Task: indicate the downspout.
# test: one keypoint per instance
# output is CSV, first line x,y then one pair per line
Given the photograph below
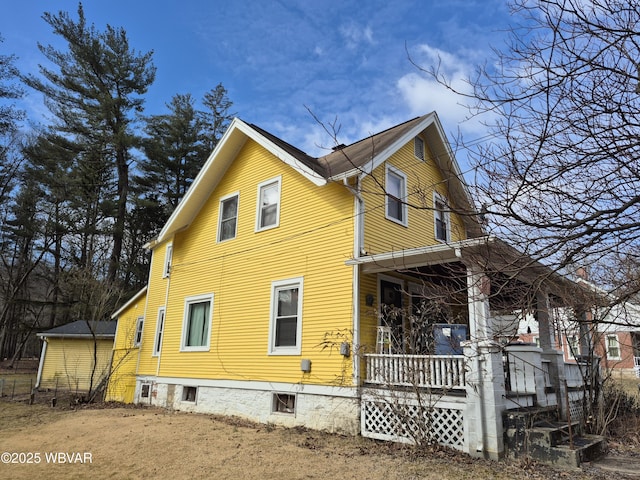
x,y
164,322
41,363
357,250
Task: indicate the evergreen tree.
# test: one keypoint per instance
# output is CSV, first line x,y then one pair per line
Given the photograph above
x,y
94,95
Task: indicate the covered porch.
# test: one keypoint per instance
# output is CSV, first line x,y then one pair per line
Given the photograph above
x,y
458,370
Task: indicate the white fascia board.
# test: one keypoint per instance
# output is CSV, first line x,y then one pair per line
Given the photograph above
x,y
281,154
129,302
188,207
393,148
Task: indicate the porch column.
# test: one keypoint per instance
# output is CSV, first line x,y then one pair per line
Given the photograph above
x,y
549,353
485,379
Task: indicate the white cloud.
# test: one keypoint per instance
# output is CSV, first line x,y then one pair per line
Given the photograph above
x,y
355,35
422,93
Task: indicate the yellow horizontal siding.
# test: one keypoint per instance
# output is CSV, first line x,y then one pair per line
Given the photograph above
x,y
122,380
423,179
313,240
68,363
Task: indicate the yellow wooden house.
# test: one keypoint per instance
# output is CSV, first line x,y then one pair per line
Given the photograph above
x,y
286,289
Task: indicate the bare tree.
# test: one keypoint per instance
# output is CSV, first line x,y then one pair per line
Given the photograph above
x,y
560,179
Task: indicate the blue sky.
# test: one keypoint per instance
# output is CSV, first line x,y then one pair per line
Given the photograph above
x,y
341,59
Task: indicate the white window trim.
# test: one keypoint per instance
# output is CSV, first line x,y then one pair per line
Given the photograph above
x,y
159,332
222,200
447,217
611,357
405,220
137,336
277,180
188,301
570,352
168,256
415,141
275,286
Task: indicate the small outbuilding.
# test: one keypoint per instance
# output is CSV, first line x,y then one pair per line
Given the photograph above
x,y
76,356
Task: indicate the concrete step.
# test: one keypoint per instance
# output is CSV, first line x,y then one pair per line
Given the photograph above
x,y
552,433
585,448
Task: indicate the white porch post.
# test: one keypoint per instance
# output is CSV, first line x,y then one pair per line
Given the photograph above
x,y
555,357
485,380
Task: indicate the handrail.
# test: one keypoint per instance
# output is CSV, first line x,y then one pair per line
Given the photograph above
x,y
425,371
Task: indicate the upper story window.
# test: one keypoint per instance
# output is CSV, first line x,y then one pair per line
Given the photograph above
x,y
573,345
196,327
286,317
396,194
168,256
268,204
613,347
228,217
441,218
137,337
418,148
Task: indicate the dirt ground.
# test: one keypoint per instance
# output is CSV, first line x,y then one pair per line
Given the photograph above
x,y
136,442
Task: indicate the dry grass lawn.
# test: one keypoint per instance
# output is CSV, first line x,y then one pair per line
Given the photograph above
x,y
136,442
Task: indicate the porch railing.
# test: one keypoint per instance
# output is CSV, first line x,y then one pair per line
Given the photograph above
x,y
445,372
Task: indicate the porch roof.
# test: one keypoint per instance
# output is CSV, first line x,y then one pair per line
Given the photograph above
x,y
418,257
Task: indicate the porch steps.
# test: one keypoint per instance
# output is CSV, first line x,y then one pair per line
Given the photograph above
x,y
535,432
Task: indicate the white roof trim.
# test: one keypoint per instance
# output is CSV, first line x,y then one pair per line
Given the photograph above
x,y
222,156
129,303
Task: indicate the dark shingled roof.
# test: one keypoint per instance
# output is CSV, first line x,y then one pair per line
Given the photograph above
x,y
344,158
82,328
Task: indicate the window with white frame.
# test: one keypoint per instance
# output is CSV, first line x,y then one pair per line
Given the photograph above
x,y
157,345
613,347
286,317
418,148
441,218
268,215
573,346
137,337
197,323
168,254
228,217
396,194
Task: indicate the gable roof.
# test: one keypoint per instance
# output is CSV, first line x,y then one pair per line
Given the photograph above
x,y
358,159
82,329
132,300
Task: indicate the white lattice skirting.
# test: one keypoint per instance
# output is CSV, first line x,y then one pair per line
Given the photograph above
x,y
404,419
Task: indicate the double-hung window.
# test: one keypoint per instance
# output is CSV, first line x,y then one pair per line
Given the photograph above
x,y
268,204
441,217
228,217
613,347
197,323
157,346
168,256
418,148
286,317
137,338
396,194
